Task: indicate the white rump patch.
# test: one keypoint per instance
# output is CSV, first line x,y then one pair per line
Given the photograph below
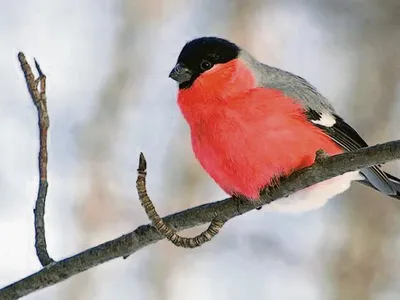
x,y
315,196
326,120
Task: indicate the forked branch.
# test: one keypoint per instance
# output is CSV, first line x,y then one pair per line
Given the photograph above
x,y
38,96
323,169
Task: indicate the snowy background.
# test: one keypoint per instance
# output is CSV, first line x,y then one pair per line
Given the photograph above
x,y
109,97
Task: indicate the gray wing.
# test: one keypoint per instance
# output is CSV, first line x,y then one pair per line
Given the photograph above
x,y
346,137
318,107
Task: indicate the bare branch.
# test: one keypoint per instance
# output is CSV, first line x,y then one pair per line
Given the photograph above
x,y
39,99
227,208
54,272
164,229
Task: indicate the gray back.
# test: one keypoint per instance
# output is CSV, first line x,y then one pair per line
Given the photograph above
x,y
292,85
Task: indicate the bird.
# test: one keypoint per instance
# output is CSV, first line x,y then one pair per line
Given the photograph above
x,y
252,124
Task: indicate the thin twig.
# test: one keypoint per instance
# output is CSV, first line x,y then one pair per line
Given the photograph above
x,y
146,234
39,99
164,229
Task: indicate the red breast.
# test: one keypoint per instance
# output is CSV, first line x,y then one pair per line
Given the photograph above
x,y
245,136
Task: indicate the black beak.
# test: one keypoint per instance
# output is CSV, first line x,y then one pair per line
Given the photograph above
x,y
180,73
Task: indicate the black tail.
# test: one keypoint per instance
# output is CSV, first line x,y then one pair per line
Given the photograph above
x,y
393,181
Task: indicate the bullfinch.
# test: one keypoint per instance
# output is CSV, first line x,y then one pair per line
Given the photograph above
x,y
252,124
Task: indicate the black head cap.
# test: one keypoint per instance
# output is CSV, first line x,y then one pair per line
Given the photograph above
x,y
200,55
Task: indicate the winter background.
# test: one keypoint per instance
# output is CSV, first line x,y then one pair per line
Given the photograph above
x,y
109,97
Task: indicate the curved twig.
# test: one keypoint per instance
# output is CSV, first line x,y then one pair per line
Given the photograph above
x,y
164,229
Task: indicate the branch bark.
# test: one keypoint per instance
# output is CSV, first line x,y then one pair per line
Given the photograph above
x,y
146,234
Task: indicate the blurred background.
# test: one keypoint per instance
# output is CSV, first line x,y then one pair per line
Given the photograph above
x,y
109,98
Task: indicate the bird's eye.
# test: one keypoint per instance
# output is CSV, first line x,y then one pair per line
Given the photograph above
x,y
205,65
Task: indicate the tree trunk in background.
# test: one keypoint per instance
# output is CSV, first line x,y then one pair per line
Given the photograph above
x,y
362,266
99,204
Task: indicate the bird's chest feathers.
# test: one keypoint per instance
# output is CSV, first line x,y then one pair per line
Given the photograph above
x,y
247,141
242,158
241,143
218,139
253,122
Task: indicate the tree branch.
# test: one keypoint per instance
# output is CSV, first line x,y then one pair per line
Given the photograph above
x,y
145,235
54,272
39,100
